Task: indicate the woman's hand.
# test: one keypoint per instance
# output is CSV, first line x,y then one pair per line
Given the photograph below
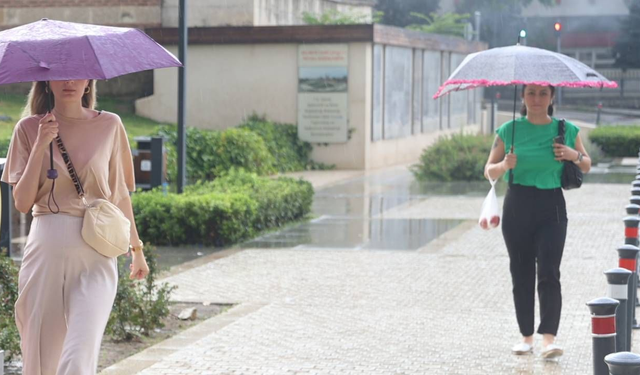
x,y
139,267
510,161
564,152
47,130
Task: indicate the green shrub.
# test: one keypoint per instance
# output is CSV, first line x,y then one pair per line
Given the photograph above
x,y
459,157
211,153
290,153
4,147
617,141
9,337
230,209
140,305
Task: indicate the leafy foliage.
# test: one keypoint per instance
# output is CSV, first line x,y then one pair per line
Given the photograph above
x,y
335,17
448,24
290,153
398,13
459,157
140,306
211,153
9,337
232,208
617,141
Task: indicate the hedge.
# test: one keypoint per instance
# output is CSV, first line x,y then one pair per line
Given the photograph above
x,y
617,141
458,157
290,153
212,153
232,208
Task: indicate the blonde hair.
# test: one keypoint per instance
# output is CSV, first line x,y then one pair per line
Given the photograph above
x,y
37,99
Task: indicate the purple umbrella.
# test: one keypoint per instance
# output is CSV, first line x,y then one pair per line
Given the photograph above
x,y
49,50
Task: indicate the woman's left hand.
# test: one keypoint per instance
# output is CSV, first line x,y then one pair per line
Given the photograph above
x,y
564,152
139,267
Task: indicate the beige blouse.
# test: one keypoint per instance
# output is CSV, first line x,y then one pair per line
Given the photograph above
x,y
99,150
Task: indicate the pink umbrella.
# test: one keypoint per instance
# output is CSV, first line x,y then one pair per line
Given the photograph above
x,y
49,50
521,65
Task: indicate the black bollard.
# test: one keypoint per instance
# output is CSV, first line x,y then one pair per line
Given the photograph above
x,y
618,289
628,255
632,209
634,199
603,331
635,183
635,191
623,363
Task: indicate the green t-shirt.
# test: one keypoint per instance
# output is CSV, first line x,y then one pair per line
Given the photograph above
x,y
536,164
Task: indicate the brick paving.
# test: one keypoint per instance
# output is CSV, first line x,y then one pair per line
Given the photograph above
x,y
442,311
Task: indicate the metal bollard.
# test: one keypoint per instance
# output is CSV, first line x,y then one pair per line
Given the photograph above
x,y
635,191
628,255
632,209
603,331
618,289
635,183
623,363
631,230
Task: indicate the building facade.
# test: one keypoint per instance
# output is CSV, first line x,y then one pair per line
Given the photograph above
x,y
164,13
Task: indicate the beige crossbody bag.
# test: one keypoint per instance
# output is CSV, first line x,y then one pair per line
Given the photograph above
x,y
105,228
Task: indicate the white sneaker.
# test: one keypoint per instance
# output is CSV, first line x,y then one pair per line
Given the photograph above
x,y
552,351
522,349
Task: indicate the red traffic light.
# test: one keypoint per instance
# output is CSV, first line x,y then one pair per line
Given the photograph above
x,y
557,26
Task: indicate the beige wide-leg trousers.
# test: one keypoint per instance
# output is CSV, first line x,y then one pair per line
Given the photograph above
x,y
66,291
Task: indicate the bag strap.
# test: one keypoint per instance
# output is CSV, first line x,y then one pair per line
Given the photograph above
x,y
561,127
71,169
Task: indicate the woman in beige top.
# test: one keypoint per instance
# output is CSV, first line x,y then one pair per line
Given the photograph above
x,y
66,288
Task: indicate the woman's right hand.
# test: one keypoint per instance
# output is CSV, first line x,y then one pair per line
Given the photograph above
x,y
47,130
510,160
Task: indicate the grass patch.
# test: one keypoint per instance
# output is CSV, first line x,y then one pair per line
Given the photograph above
x,y
12,106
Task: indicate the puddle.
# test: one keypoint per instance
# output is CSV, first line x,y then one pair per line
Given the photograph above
x,y
345,233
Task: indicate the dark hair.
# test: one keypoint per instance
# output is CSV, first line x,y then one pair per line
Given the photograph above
x,y
523,110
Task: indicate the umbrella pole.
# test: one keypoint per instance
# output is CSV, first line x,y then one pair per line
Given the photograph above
x,y
513,129
52,174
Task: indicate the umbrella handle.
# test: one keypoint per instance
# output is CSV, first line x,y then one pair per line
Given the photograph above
x,y
511,170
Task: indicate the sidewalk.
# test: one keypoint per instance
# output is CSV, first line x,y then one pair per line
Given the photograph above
x,y
443,308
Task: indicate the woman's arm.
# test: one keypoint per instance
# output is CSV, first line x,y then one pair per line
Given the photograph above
x,y
139,267
563,152
26,189
498,163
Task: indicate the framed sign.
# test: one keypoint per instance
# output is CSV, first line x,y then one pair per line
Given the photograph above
x,y
323,83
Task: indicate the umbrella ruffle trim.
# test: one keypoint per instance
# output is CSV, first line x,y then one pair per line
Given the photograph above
x,y
473,83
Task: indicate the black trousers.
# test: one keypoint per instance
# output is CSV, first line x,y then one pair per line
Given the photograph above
x,y
534,226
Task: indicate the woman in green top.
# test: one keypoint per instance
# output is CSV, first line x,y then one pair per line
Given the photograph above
x,y
534,218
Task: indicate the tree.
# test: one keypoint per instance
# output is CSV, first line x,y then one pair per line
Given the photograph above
x,y
627,48
398,12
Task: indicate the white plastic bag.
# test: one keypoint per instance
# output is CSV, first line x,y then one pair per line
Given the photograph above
x,y
490,214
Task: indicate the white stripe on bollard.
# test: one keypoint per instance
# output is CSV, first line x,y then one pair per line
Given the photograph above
x,y
617,291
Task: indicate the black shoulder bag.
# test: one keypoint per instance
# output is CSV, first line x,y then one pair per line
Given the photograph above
x,y
571,174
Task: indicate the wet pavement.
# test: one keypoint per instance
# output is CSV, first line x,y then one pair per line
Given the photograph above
x,y
390,277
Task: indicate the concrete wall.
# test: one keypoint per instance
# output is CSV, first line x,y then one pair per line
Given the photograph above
x,y
203,13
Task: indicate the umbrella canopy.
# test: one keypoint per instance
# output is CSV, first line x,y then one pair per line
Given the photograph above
x,y
48,50
521,65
